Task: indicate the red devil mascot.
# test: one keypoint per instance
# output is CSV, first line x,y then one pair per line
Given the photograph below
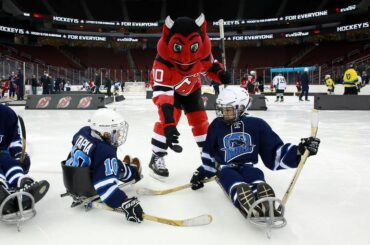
x,y
184,55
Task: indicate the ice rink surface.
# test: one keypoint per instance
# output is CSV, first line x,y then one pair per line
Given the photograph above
x,y
329,204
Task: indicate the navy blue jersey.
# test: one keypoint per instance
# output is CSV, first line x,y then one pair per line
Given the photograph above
x,y
242,142
10,138
105,167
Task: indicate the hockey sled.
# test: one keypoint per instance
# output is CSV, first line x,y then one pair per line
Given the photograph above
x,y
274,220
21,215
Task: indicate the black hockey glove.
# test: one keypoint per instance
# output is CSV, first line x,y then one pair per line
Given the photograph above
x,y
133,210
197,180
172,138
225,77
26,162
311,144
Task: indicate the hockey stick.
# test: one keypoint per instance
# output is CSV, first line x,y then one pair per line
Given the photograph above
x,y
23,132
222,37
196,221
314,128
147,191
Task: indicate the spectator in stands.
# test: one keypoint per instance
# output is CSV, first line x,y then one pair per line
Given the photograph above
x,y
261,85
4,86
34,84
98,80
63,84
365,78
51,85
85,86
350,81
58,81
305,87
12,85
67,86
45,81
251,83
243,82
108,85
329,84
20,85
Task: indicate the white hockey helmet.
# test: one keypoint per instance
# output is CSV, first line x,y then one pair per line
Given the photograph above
x,y
253,73
231,103
109,126
327,76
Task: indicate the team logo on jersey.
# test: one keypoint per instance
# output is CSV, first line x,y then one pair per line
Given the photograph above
x,y
64,102
185,86
237,144
84,102
43,102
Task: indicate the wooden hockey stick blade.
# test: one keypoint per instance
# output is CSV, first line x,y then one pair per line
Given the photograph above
x,y
204,219
23,131
147,191
196,221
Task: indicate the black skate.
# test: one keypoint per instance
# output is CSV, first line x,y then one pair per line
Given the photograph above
x,y
264,190
158,166
246,199
37,189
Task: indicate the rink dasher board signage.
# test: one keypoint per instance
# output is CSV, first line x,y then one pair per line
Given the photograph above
x,y
67,102
21,31
296,17
68,20
353,27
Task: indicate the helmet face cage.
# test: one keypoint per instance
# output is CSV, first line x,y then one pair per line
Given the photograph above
x,y
119,135
232,103
229,113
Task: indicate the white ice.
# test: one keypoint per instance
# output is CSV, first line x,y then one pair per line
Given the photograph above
x,y
329,204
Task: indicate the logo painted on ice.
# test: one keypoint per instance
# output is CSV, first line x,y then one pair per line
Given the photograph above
x,y
237,144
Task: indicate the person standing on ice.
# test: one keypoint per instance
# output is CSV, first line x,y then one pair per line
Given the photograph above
x,y
184,55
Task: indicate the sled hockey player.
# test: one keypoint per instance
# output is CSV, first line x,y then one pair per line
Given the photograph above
x,y
92,168
279,84
234,142
14,183
183,56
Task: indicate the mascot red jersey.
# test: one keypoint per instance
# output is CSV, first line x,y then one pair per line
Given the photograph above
x,y
184,55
